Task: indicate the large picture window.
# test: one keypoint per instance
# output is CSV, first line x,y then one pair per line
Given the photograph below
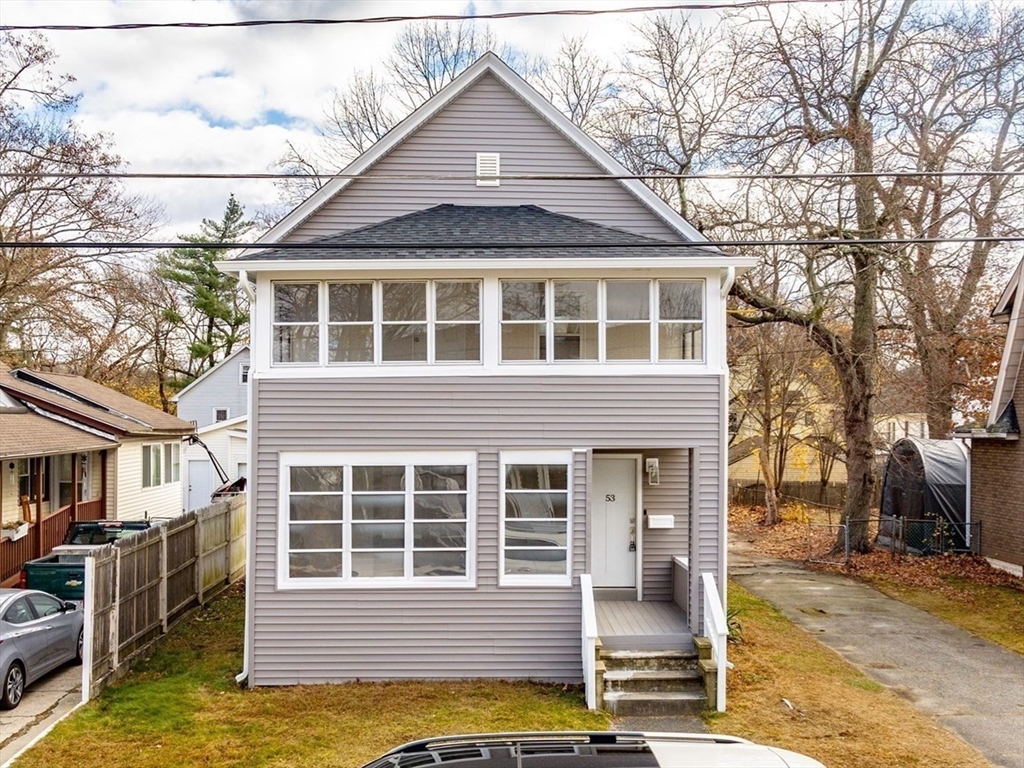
x,y
366,322
536,527
560,321
377,519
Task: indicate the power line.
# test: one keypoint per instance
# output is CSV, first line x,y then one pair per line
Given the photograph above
x,y
511,246
702,6
517,176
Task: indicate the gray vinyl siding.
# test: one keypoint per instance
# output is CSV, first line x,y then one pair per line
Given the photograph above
x,y
487,117
660,545
220,388
312,636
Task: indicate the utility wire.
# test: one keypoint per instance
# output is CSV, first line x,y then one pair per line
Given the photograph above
x,y
701,6
314,245
514,176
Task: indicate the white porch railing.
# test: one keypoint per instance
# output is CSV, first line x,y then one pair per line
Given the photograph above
x,y
589,640
717,631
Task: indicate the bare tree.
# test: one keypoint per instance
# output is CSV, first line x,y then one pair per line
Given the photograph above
x,y
578,82
39,294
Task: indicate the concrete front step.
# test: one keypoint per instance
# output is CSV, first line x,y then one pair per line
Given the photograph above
x,y
654,704
649,660
654,680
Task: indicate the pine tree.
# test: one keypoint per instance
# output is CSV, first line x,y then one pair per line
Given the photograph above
x,y
218,314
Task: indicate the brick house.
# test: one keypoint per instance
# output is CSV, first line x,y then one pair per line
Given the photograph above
x,y
996,485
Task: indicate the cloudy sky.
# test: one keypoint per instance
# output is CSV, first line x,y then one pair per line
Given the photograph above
x,y
228,100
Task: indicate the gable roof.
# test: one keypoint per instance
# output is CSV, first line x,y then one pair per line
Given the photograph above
x,y
1009,310
94,406
482,231
217,367
492,64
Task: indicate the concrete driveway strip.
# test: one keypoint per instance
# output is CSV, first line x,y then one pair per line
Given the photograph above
x,y
45,703
969,685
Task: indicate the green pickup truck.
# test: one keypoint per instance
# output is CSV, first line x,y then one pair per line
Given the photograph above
x,y
62,572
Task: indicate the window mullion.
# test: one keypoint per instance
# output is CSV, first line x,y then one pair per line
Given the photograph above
x,y
409,537
431,319
549,314
346,523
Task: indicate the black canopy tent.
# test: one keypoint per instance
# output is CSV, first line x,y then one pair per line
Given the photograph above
x,y
926,480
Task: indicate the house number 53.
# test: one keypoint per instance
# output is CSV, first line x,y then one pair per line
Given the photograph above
x,y
609,497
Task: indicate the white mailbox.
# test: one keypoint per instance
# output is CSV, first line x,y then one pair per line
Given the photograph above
x,y
661,521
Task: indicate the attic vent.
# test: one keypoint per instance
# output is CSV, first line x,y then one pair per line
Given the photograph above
x,y
488,164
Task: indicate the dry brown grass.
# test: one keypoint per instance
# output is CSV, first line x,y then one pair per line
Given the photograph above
x,y
837,714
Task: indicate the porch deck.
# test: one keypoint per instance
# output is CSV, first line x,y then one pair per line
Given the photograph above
x,y
626,625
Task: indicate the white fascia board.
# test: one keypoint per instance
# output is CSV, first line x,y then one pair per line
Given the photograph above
x,y
741,263
1012,287
226,424
489,62
223,362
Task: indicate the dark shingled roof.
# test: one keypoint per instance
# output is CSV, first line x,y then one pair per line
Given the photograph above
x,y
483,232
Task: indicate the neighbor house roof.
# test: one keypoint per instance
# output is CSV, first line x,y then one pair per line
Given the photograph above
x,y
25,433
484,232
1009,310
92,405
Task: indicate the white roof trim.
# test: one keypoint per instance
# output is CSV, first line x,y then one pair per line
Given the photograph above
x,y
223,362
488,63
1006,381
1002,306
742,264
226,424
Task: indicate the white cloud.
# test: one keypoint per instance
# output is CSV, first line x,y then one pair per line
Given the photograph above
x,y
213,100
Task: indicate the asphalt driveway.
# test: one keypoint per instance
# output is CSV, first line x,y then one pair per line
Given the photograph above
x,y
968,685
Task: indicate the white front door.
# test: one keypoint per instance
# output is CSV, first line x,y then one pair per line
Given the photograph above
x,y
613,522
200,483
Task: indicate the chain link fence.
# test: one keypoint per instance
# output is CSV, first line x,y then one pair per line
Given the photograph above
x,y
936,536
829,544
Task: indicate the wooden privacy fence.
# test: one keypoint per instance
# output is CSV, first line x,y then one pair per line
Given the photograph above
x,y
138,587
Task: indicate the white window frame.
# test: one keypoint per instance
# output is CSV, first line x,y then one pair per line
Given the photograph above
x,y
243,373
154,466
347,460
653,322
227,413
172,463
564,457
324,323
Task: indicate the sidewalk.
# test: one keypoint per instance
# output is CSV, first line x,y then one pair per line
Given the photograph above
x,y
968,685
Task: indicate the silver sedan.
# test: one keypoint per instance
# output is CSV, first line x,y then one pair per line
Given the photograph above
x,y
38,633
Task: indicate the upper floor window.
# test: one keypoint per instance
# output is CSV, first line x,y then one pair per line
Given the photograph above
x,y
243,373
377,322
601,320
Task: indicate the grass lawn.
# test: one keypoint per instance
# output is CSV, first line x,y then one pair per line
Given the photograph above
x,y
182,708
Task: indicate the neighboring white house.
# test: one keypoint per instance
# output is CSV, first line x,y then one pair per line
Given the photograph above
x,y
218,404
138,474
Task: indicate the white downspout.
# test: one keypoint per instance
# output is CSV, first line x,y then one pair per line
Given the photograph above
x,y
250,513
728,278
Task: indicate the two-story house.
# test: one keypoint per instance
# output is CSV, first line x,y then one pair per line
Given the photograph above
x,y
217,403
474,393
